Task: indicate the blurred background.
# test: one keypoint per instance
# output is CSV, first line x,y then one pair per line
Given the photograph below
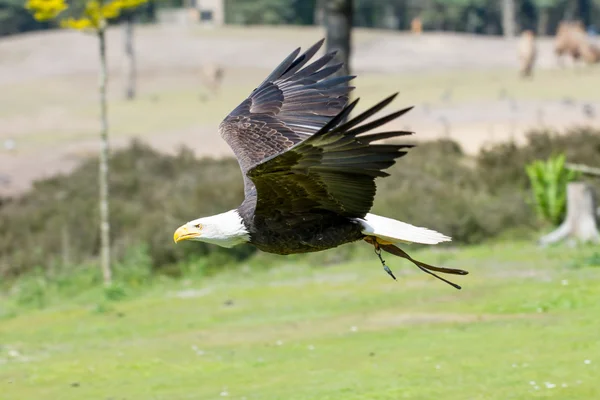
x,y
507,122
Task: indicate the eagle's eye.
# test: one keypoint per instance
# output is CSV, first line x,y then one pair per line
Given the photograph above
x,y
199,226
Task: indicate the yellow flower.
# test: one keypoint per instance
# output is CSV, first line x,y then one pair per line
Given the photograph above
x,y
111,10
79,24
94,15
44,10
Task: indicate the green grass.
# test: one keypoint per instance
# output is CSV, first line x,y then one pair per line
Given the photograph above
x,y
341,332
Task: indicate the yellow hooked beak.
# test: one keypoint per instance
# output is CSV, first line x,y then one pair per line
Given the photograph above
x,y
186,232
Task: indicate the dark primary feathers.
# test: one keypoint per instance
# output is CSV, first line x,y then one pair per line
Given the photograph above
x,y
293,102
334,170
294,149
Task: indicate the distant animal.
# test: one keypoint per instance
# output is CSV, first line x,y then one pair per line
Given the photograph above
x,y
212,76
572,40
527,53
416,25
309,173
565,41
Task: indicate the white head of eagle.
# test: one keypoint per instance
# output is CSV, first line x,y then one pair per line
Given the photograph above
x,y
226,230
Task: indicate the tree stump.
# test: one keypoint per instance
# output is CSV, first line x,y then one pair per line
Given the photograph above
x,y
580,223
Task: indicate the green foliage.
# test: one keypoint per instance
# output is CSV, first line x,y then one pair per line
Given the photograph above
x,y
547,3
270,12
31,291
15,19
135,268
593,260
549,186
115,292
586,260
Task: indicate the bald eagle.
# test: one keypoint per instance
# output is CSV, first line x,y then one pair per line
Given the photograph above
x,y
309,173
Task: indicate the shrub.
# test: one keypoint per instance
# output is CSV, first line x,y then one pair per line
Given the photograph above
x,y
502,164
151,195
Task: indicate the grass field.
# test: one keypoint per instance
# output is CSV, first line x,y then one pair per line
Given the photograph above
x,y
524,326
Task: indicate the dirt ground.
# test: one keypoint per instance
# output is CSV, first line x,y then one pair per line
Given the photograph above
x,y
464,87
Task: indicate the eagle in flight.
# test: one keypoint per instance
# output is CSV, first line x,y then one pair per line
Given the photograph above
x,y
309,173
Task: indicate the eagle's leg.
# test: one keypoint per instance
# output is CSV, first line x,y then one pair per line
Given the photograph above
x,y
391,248
385,267
378,252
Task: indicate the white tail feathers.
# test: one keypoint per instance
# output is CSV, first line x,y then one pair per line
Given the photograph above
x,y
395,231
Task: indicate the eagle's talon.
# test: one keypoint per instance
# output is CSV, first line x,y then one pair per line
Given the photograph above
x,y
385,267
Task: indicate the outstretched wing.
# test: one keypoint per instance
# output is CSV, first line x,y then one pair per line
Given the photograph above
x,y
291,104
333,170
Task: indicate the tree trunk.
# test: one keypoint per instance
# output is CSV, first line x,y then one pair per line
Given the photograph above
x,y
570,9
390,17
338,19
319,17
65,246
508,18
543,21
129,57
580,222
103,166
439,20
151,11
401,15
584,8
